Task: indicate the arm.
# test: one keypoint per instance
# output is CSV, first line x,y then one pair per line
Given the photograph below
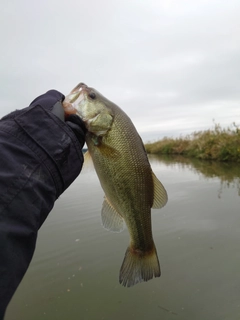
x,y
40,156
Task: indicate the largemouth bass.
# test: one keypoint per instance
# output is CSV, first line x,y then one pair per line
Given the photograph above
x,y
131,188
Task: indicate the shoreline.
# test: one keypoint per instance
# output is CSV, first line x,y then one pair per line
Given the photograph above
x,y
219,144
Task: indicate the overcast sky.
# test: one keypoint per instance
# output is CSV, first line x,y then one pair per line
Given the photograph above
x,y
172,66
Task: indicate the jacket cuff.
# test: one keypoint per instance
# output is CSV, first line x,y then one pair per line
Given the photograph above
x,y
56,140
48,99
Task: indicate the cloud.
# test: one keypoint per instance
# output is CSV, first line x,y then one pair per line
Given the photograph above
x,y
172,66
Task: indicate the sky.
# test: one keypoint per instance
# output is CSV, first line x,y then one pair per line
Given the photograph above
x,y
172,65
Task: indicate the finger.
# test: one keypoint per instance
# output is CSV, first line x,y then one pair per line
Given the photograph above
x,y
73,118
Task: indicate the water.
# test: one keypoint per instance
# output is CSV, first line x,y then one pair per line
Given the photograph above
x,y
74,272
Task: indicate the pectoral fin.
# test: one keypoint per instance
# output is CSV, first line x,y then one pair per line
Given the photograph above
x,y
106,150
111,219
88,163
87,156
160,197
109,152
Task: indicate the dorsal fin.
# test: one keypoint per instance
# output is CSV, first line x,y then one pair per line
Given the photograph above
x,y
160,197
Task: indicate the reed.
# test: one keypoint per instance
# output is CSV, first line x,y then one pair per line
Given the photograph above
x,y
221,144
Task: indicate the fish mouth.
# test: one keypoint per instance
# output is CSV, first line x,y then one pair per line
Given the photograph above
x,y
76,102
77,96
79,87
77,93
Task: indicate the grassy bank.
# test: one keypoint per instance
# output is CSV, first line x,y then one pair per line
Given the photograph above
x,y
222,144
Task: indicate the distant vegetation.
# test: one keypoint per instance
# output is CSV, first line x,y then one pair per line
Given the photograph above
x,y
214,144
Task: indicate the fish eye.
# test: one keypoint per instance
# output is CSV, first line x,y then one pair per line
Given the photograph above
x,y
92,95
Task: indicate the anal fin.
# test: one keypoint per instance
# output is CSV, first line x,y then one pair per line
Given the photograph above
x,y
111,219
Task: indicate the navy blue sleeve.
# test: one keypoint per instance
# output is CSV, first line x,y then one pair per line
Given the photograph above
x,y
39,158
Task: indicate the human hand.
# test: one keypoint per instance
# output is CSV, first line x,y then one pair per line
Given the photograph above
x,y
73,121
78,127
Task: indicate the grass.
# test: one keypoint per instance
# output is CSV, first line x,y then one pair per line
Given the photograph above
x,y
221,144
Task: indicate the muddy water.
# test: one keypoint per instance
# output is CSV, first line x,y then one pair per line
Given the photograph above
x,y
74,272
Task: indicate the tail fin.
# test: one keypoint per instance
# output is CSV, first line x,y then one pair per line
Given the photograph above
x,y
139,266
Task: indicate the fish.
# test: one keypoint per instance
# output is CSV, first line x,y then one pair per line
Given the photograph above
x,y
130,186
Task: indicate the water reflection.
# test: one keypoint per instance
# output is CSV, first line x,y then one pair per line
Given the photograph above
x,y
227,172
74,272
